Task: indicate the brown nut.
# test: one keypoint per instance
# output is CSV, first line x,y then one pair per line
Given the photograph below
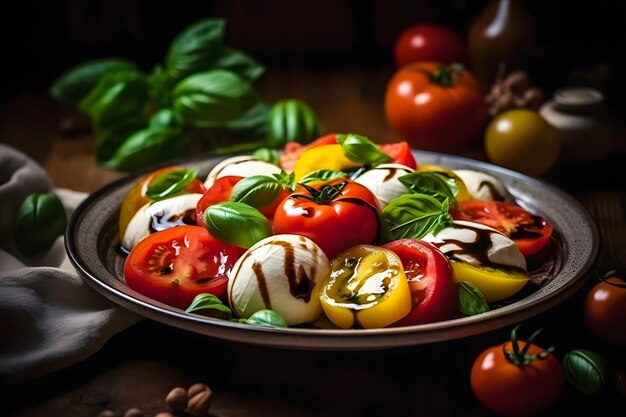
x,y
133,412
199,404
177,399
164,414
533,98
516,81
196,388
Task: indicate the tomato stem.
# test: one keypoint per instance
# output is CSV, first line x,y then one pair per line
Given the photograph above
x,y
521,357
445,75
324,195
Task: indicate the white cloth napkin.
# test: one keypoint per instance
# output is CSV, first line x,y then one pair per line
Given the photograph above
x,y
49,317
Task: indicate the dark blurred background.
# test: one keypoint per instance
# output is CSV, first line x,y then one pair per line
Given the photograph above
x,y
576,41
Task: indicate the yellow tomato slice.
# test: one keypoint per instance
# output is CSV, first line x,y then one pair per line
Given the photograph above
x,y
495,283
322,157
463,194
367,288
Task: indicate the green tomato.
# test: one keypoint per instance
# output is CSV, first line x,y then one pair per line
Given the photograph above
x,y
523,141
38,222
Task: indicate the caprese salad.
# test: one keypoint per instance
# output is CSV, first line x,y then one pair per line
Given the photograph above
x,y
339,233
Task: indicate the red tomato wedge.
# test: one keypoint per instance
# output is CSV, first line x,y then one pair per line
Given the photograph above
x,y
530,232
428,271
219,192
174,265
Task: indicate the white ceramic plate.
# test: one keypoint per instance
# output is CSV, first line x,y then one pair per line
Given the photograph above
x,y
92,245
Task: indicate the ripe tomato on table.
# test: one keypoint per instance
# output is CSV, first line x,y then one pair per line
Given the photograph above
x,y
530,232
518,378
605,309
428,42
174,265
429,274
336,215
435,107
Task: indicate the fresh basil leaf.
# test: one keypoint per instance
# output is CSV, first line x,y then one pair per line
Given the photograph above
x,y
110,138
414,216
360,149
287,180
39,221
268,318
149,146
292,120
170,184
586,371
268,155
74,84
211,98
195,48
252,124
470,300
430,183
236,223
240,63
257,191
116,96
206,301
166,118
321,175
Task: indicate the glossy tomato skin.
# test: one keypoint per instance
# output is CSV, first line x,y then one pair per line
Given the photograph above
x,y
605,310
433,117
350,219
400,153
174,265
428,42
219,192
516,390
432,286
531,233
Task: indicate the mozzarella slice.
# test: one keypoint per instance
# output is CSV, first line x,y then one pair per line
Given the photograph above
x,y
383,182
483,186
160,215
241,166
283,273
477,243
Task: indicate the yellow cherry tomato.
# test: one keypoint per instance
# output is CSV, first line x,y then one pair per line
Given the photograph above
x,y
496,284
322,157
523,141
367,288
463,194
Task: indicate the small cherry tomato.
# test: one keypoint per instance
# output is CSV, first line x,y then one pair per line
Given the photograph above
x,y
530,232
518,378
428,42
429,274
435,108
605,309
219,192
176,264
336,215
367,288
136,197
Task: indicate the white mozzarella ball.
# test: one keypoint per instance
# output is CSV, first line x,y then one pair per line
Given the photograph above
x,y
241,166
383,182
472,242
483,186
160,215
282,273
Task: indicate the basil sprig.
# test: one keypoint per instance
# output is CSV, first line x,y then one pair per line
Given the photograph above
x,y
267,318
236,223
586,371
322,175
431,183
414,216
260,191
170,184
206,301
470,300
360,149
39,221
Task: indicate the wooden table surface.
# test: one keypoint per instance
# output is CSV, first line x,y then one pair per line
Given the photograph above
x,y
137,367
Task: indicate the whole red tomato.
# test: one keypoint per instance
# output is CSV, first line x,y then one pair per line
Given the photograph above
x,y
435,108
605,309
517,379
336,215
428,271
176,264
428,42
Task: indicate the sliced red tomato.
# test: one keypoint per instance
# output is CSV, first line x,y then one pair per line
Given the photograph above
x,y
336,215
219,192
428,271
530,232
174,265
400,153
